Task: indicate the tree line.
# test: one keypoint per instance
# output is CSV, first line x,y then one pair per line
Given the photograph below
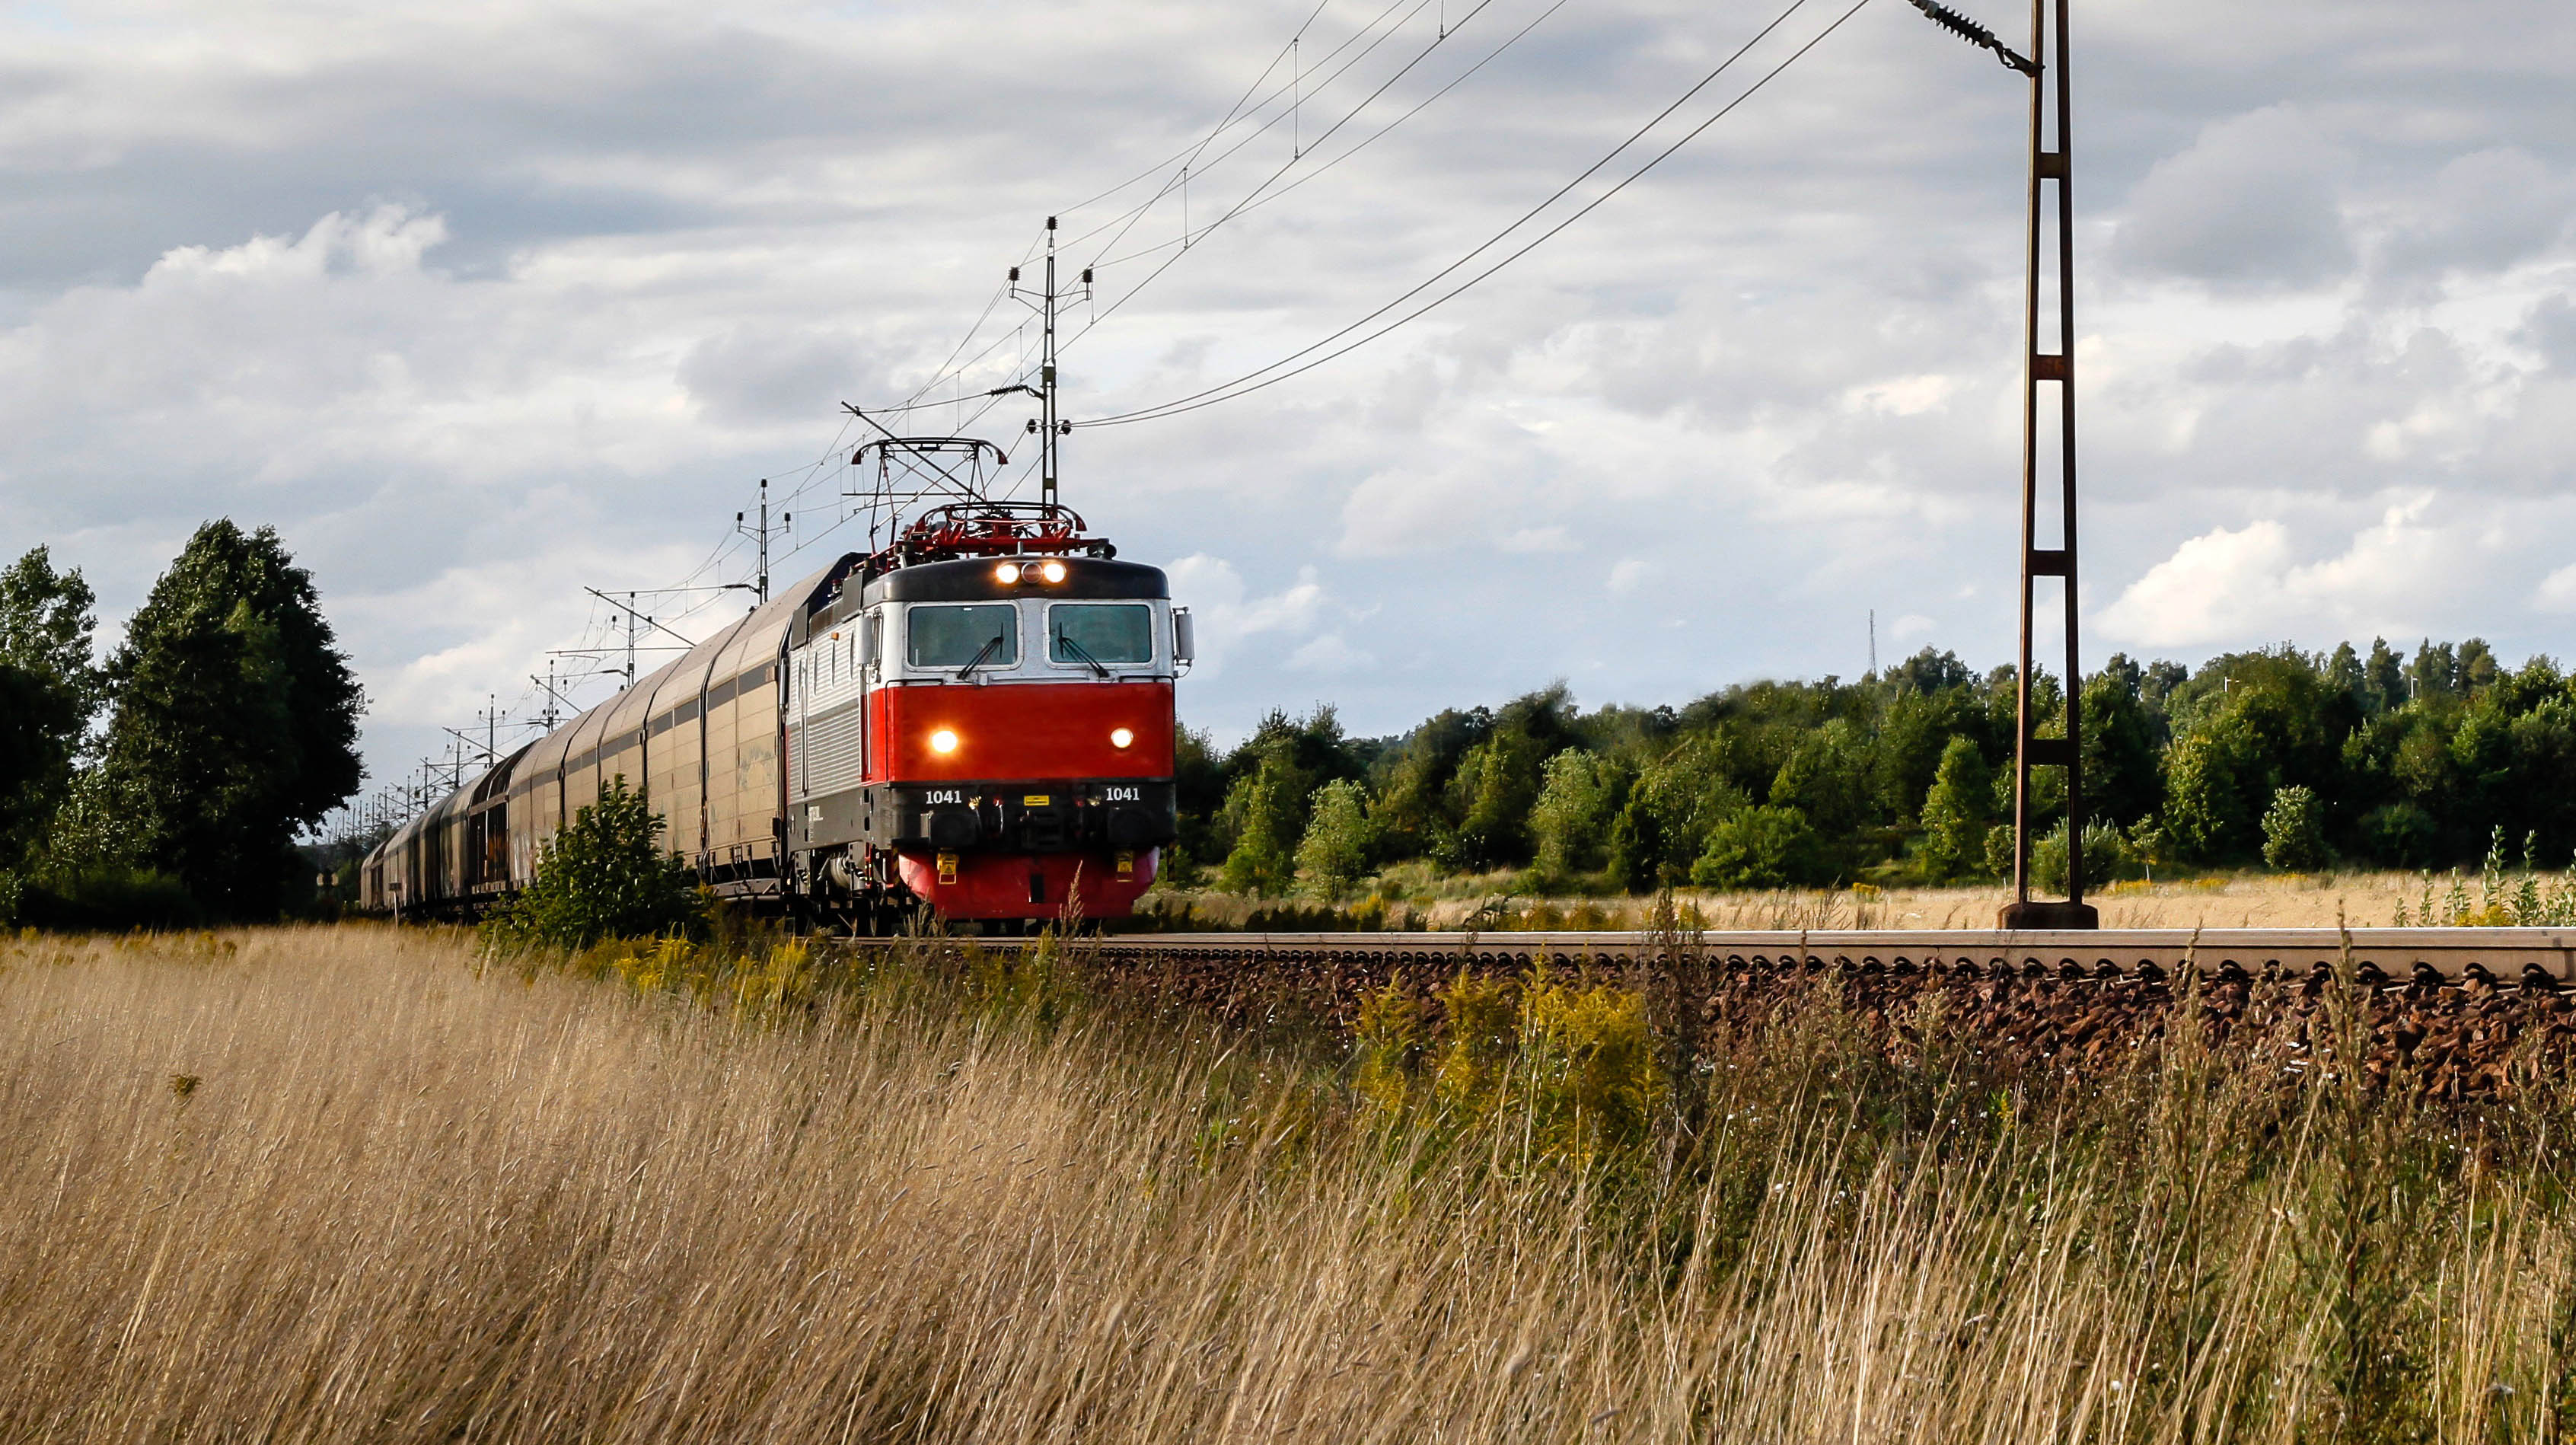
x,y
170,782
2280,758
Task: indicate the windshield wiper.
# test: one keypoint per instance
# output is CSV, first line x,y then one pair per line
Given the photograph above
x,y
977,660
1083,654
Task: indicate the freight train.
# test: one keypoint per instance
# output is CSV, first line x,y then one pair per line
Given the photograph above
x,y
974,722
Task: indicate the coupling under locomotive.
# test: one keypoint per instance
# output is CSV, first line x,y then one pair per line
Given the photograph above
x,y
977,718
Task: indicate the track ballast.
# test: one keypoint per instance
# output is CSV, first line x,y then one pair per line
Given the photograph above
x,y
2543,957
2456,1014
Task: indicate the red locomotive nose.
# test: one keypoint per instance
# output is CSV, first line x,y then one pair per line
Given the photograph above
x,y
1058,730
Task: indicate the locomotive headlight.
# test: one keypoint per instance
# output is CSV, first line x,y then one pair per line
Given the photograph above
x,y
944,741
1120,737
1051,569
1008,574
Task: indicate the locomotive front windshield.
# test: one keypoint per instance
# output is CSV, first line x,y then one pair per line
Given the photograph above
x,y
1083,634
974,635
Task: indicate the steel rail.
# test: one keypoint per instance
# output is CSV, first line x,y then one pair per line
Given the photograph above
x,y
2544,957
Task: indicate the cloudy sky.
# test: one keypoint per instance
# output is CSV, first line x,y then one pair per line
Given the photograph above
x,y
483,303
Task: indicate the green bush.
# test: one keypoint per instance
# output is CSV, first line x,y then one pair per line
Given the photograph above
x,y
2294,831
1957,812
2107,857
1573,815
1264,808
1339,838
604,877
105,896
2401,833
1763,848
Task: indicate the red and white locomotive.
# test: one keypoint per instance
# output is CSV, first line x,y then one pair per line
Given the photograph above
x,y
982,720
976,718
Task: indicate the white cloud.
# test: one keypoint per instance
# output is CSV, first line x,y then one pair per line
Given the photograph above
x,y
2245,585
1631,574
1228,615
2252,201
2557,591
1329,654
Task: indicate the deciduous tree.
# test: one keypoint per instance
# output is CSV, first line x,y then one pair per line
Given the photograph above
x,y
49,692
236,719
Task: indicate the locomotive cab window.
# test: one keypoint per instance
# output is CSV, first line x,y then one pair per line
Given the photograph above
x,y
1087,634
979,635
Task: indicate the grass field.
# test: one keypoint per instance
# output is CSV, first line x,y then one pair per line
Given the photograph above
x,y
327,1185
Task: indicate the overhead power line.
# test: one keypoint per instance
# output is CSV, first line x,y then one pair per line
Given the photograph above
x,y
1253,197
1286,367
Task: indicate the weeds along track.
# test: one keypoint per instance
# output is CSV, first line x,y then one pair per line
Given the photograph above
x,y
2444,1013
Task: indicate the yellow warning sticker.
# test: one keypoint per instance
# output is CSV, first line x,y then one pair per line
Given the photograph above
x,y
1036,800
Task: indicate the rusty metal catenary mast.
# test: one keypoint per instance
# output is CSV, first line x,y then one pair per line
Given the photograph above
x,y
2050,120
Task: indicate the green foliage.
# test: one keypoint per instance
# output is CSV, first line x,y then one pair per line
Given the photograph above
x,y
2122,748
2294,831
1826,779
2107,857
1496,786
1999,851
1389,1037
1572,817
1957,813
1637,846
2204,802
1263,813
236,719
1339,839
1480,1032
1573,1063
49,691
603,877
103,896
1198,787
1763,848
2399,833
2409,763
1686,792
1594,1078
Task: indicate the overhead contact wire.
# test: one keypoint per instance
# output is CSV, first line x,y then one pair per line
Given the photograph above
x,y
1137,213
1379,134
1258,379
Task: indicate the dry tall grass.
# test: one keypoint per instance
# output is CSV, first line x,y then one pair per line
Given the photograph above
x,y
326,1186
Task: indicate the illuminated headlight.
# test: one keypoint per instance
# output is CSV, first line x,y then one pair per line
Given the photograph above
x,y
1052,570
943,741
1120,737
1008,574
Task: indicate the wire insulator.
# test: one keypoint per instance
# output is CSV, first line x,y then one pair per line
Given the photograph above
x,y
1975,34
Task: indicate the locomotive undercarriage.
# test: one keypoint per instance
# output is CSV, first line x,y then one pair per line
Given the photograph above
x,y
851,848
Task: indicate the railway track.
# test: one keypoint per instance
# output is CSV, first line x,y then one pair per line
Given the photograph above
x,y
2456,1014
2536,956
